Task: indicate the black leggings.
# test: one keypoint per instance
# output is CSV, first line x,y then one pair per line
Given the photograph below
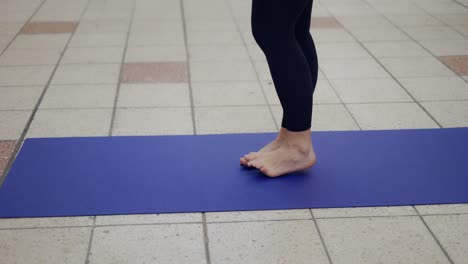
x,y
281,29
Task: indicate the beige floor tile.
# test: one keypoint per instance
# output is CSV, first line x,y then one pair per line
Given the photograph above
x,y
266,242
10,28
322,35
19,97
155,53
443,209
354,22
370,90
411,20
447,47
86,74
380,240
155,72
79,96
258,215
49,27
325,117
352,69
154,95
213,37
92,55
42,41
148,219
25,75
452,234
27,57
218,53
141,25
70,123
436,88
432,32
462,29
102,26
151,39
12,124
54,246
416,67
148,244
227,93
342,50
222,71
363,211
325,94
98,40
226,25
382,49
239,119
454,19
449,113
379,34
153,121
42,222
391,116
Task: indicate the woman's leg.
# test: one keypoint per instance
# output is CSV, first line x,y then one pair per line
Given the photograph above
x,y
304,38
281,29
274,29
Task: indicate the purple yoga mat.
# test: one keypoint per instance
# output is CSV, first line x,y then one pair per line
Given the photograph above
x,y
173,174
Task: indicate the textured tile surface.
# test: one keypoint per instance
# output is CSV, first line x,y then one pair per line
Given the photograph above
x,y
266,242
70,123
239,119
6,150
50,27
380,240
154,95
165,72
148,244
452,233
56,246
153,121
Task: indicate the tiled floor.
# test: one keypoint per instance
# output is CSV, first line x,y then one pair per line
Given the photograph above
x,y
124,67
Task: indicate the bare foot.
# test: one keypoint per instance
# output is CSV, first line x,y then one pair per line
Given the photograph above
x,y
276,143
294,154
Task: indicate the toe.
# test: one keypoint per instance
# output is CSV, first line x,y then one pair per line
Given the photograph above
x,y
243,161
251,156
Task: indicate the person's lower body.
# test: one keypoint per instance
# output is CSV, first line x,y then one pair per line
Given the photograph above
x,y
281,29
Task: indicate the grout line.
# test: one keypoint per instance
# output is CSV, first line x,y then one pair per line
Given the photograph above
x,y
90,243
187,67
387,71
320,236
18,33
41,97
384,15
122,62
224,222
462,4
433,236
341,100
252,62
206,239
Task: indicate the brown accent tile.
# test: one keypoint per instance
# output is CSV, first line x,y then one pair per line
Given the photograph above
x,y
458,64
325,22
52,27
6,150
154,72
